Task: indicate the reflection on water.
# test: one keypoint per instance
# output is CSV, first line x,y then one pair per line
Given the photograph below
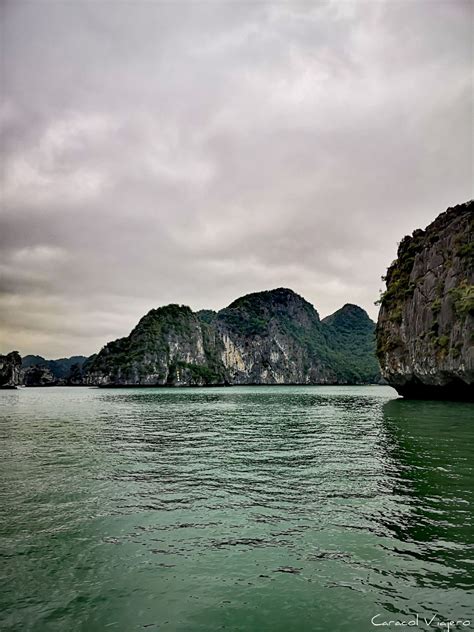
x,y
431,446
247,509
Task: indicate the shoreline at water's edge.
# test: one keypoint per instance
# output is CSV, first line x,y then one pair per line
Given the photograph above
x,y
432,395
186,386
256,384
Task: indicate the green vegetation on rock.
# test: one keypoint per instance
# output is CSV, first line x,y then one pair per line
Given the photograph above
x,y
463,298
266,337
351,337
425,325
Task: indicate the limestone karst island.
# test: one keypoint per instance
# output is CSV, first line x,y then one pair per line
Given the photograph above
x,y
425,330
422,345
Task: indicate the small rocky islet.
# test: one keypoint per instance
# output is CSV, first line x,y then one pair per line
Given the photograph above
x,y
422,345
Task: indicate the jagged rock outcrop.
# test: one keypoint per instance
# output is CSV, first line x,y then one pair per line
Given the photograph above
x,y
10,369
169,346
38,375
273,337
37,371
425,327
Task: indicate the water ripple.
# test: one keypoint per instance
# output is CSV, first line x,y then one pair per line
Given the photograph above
x,y
270,509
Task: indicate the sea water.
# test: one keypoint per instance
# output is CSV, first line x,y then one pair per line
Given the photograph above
x,y
247,509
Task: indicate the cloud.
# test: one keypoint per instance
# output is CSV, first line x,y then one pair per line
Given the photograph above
x,y
155,155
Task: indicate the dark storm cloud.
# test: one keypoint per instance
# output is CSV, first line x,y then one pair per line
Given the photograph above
x,y
192,152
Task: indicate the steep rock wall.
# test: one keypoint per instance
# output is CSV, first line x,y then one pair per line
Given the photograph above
x,y
10,369
425,327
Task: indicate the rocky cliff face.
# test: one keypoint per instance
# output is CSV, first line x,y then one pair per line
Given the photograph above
x,y
10,368
425,328
38,376
169,346
273,337
33,370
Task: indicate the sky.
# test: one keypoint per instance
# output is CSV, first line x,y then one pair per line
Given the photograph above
x,y
192,152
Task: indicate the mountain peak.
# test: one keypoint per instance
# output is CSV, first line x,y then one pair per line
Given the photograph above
x,y
350,308
278,295
346,314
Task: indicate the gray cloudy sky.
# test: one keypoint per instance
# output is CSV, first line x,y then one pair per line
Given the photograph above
x,y
191,152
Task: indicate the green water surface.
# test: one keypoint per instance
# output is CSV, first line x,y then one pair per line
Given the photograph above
x,y
259,509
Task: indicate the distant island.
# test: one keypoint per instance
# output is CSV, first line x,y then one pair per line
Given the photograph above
x,y
270,337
